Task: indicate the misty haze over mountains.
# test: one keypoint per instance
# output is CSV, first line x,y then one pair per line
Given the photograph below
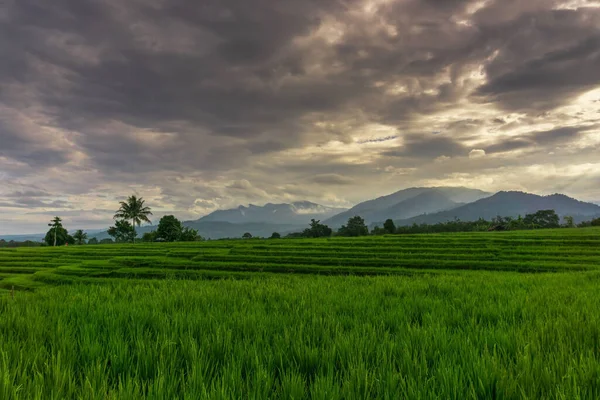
x,y
295,213
409,203
413,205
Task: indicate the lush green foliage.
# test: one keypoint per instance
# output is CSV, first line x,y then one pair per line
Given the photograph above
x,y
80,237
150,237
542,219
57,235
594,222
189,235
355,227
317,230
389,226
26,243
169,229
123,231
569,221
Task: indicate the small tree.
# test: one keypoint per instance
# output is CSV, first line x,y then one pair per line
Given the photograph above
x,y
80,237
275,235
169,228
356,227
377,231
189,235
542,219
57,235
389,226
569,222
106,241
149,237
93,241
517,224
247,235
123,231
317,230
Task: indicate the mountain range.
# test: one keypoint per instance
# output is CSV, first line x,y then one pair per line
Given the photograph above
x,y
405,207
511,204
409,203
300,212
414,205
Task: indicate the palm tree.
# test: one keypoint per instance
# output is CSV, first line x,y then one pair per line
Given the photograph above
x,y
56,223
133,209
80,236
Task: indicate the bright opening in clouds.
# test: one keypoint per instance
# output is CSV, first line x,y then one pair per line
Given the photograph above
x,y
199,105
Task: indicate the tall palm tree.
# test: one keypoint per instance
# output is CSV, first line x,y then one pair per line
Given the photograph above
x,y
133,209
55,224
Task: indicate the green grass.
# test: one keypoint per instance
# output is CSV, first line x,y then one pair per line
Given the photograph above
x,y
469,335
506,315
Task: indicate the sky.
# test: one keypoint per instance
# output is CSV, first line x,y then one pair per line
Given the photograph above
x,y
201,105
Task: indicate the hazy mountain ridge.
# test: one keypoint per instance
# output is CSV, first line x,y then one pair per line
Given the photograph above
x,y
300,213
409,203
426,202
511,204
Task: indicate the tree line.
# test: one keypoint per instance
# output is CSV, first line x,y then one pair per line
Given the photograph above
x,y
356,226
131,213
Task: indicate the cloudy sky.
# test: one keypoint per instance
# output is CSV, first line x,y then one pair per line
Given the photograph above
x,y
199,105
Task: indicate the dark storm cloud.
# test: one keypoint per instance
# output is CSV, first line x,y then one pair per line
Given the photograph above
x,y
116,93
550,79
429,147
536,140
15,142
228,67
508,145
332,179
557,135
543,58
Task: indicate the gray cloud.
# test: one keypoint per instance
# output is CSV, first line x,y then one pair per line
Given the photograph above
x,y
27,202
332,179
27,193
204,104
550,57
429,147
541,139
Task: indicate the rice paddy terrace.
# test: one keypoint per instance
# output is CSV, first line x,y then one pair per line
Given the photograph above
x,y
523,251
448,316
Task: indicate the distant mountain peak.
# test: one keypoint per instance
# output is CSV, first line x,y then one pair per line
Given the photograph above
x,y
408,203
299,212
512,204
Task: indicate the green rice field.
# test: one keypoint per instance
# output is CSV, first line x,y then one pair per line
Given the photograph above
x,y
498,315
